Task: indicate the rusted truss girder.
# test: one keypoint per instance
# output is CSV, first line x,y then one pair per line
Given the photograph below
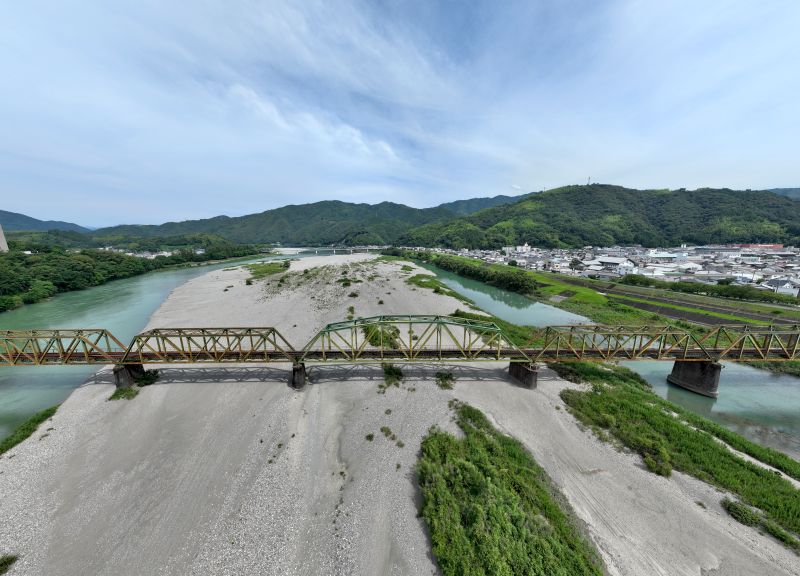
x,y
728,343
410,338
401,338
40,347
204,345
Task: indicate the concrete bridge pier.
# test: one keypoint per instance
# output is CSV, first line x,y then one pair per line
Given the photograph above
x,y
526,374
125,375
298,380
701,377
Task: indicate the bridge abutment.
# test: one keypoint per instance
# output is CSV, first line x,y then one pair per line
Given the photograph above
x,y
125,375
298,380
700,377
526,374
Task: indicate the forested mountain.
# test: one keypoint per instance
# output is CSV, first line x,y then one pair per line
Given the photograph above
x,y
596,214
14,221
465,207
328,222
793,193
604,215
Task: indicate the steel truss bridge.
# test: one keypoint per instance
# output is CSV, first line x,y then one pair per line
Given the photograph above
x,y
401,338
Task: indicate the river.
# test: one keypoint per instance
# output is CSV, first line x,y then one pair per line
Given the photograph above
x,y
121,306
761,406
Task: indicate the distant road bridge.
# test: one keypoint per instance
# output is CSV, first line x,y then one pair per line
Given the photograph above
x,y
405,338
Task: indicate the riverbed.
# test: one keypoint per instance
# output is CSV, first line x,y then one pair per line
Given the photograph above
x,y
760,405
121,306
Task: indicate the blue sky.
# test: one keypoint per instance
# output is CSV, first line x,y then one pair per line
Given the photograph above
x,y
149,110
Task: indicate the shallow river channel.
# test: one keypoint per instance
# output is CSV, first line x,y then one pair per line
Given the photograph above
x,y
762,406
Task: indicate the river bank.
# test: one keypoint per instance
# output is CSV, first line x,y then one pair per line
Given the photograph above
x,y
229,471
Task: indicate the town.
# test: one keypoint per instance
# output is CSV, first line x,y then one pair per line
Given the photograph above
x,y
770,267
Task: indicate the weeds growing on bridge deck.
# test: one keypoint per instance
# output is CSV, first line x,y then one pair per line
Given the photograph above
x,y
668,437
26,429
492,510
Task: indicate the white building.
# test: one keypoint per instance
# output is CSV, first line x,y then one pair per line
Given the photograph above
x,y
3,243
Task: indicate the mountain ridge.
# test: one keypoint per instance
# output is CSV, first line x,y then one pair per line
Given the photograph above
x,y
11,221
604,215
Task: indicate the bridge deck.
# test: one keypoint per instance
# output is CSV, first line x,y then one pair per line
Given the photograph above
x,y
401,339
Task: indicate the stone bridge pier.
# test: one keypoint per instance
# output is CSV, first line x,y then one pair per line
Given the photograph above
x,y
298,381
701,377
524,373
125,375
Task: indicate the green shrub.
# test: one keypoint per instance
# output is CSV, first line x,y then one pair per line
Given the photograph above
x,y
6,561
445,380
25,429
491,509
125,393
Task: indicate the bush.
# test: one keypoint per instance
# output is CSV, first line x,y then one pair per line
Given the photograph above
x,y
491,509
444,380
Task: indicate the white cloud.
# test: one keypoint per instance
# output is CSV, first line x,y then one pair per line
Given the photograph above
x,y
241,106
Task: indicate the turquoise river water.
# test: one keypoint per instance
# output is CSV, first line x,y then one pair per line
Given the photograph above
x,y
122,306
762,406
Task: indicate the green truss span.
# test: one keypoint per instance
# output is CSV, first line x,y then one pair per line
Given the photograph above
x,y
403,338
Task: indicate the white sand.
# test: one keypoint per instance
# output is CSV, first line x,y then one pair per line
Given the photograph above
x,y
228,471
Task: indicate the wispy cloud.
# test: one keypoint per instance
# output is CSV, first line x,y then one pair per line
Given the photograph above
x,y
146,111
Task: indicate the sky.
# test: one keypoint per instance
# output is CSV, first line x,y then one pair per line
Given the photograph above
x,y
147,111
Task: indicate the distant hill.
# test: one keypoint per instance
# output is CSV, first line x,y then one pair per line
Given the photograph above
x,y
793,193
604,215
596,214
327,222
13,221
321,223
465,207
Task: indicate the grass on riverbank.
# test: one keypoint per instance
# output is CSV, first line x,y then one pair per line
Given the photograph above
x,y
491,509
438,287
789,368
125,393
6,561
261,270
621,404
26,429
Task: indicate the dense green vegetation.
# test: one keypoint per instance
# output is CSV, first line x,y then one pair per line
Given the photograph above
x,y
261,270
539,286
124,393
506,277
320,223
472,205
6,561
751,517
28,278
573,216
668,437
717,290
491,509
604,215
26,429
790,368
13,221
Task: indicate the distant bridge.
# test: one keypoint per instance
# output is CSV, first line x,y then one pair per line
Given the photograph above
x,y
406,338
